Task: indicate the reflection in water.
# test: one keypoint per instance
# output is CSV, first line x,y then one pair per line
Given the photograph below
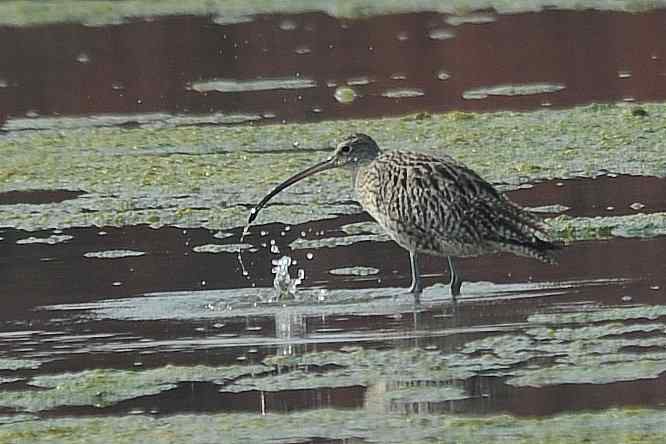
x,y
197,65
289,326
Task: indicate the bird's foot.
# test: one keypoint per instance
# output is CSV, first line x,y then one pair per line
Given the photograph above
x,y
416,288
455,285
455,288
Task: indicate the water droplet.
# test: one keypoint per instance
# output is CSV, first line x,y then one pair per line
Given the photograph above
x,y
398,76
345,94
441,34
83,58
287,228
316,109
287,25
117,284
309,256
275,249
624,74
403,93
610,208
637,206
363,80
203,283
117,86
654,287
301,50
402,36
626,298
263,233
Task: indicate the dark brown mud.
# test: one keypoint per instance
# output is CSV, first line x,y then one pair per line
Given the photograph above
x,y
396,64
37,196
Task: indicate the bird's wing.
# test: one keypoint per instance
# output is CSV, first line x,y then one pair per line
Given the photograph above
x,y
442,200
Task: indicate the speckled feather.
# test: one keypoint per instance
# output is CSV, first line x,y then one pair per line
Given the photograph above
x,y
436,205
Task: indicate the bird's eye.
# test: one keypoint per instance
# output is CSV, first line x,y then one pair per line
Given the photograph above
x,y
346,149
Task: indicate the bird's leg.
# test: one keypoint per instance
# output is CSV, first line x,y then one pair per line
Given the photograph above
x,y
456,280
417,284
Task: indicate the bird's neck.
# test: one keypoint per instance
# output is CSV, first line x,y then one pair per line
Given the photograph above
x,y
357,174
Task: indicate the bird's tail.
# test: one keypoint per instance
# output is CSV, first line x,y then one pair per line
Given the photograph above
x,y
535,247
523,233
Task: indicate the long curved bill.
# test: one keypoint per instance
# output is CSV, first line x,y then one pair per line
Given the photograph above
x,y
324,165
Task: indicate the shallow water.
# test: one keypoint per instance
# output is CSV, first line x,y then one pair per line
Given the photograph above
x,y
258,70
132,311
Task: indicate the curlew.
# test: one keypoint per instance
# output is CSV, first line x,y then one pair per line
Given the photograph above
x,y
431,205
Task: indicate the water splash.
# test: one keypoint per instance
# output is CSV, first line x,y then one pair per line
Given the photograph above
x,y
283,283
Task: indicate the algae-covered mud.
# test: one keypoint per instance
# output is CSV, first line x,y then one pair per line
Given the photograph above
x,y
22,12
210,176
134,311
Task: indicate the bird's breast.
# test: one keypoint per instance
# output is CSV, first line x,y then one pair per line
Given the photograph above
x,y
367,189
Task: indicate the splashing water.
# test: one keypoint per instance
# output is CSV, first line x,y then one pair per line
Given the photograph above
x,y
283,283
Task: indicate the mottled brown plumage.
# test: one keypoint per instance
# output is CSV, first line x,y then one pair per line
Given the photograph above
x,y
431,205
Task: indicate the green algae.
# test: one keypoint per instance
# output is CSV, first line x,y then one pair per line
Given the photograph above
x,y
103,387
512,90
332,242
51,240
149,176
610,426
402,372
6,380
218,248
354,271
113,254
577,351
605,227
99,12
18,364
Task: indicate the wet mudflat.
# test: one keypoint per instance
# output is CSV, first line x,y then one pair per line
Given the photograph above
x,y
132,311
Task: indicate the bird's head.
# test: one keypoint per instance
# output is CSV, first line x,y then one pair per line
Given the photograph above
x,y
355,151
